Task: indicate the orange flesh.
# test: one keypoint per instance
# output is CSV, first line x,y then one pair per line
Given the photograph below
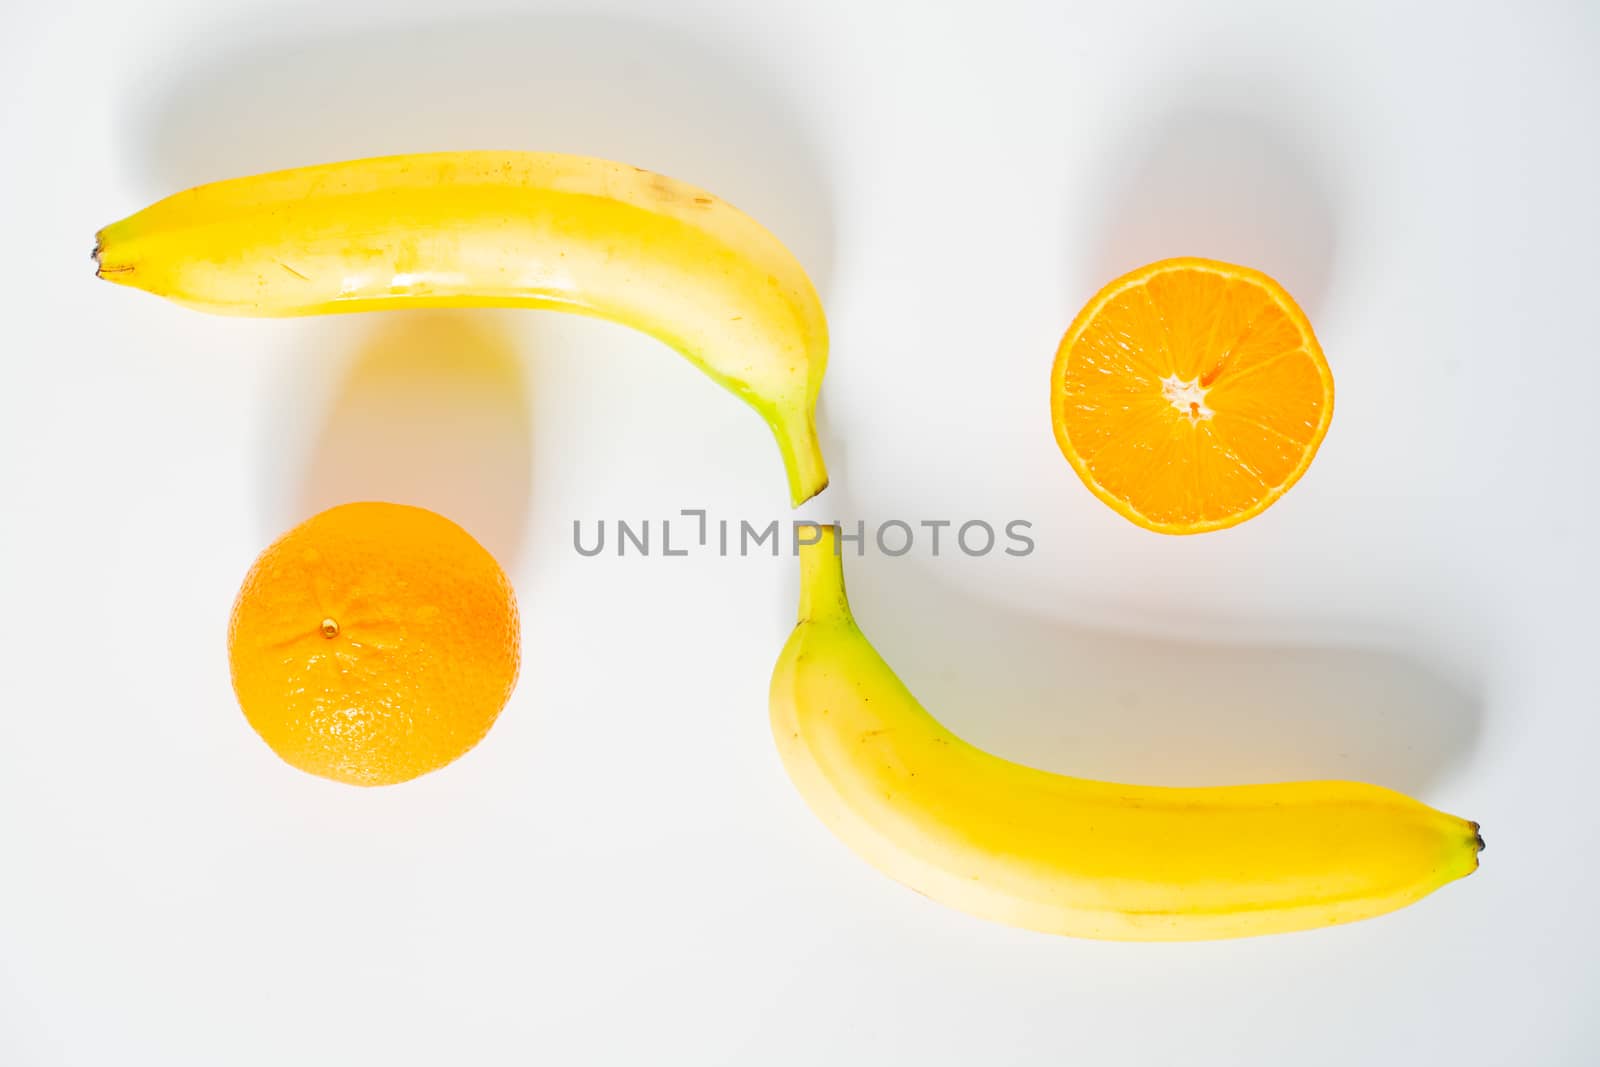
x,y
1190,394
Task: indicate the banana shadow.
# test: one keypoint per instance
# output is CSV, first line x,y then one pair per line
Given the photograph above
x,y
1121,707
641,92
432,410
1218,176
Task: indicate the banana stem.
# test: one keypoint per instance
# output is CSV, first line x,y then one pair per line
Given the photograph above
x,y
822,597
796,431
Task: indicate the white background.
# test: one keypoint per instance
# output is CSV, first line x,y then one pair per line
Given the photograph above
x,y
620,873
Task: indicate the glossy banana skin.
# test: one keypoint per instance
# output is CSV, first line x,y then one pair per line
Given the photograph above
x,y
502,229
1068,855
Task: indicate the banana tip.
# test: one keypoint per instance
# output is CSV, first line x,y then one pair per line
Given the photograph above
x,y
1477,838
98,256
800,496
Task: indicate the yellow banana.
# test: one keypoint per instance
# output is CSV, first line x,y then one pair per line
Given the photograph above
x,y
502,229
1071,856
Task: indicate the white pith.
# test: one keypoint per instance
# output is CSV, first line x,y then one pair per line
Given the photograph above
x,y
1188,397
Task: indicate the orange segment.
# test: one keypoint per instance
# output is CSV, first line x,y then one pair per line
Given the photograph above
x,y
1190,394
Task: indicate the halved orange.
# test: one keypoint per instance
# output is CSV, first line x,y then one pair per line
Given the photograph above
x,y
1190,395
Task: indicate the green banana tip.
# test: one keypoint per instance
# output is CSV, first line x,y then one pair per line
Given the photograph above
x,y
822,595
794,425
799,494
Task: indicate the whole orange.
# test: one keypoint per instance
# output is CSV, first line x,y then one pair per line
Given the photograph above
x,y
374,643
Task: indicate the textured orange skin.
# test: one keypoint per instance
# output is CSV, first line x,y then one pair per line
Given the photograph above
x,y
1172,481
425,655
